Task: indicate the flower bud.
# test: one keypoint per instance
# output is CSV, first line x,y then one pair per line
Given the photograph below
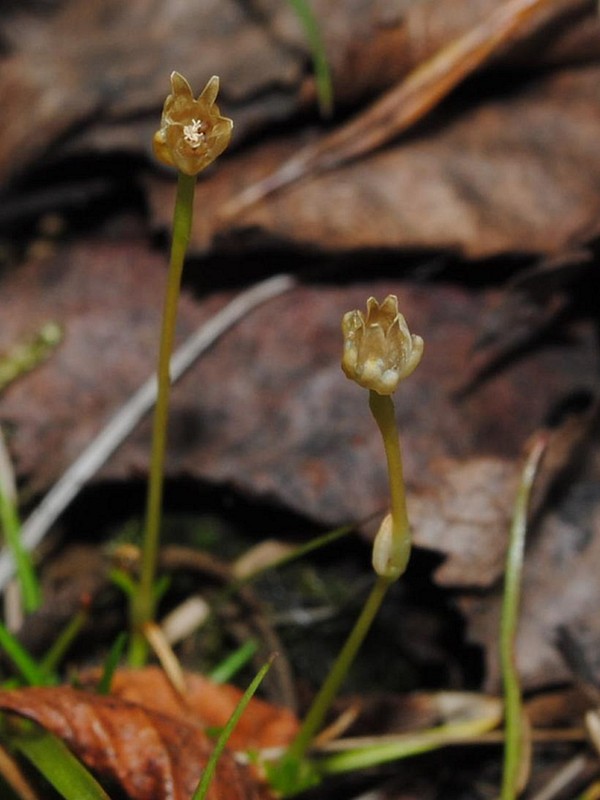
x,y
391,550
192,132
379,350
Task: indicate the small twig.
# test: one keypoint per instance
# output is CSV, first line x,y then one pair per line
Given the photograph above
x,y
122,424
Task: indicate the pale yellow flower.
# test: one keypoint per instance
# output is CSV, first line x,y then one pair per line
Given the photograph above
x,y
379,350
192,132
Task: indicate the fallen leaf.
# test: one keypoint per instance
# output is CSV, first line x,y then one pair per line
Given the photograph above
x,y
513,172
408,102
116,311
275,417
205,703
97,66
470,497
148,754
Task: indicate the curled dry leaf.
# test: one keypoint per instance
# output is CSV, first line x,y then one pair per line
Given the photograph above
x,y
205,703
405,104
149,754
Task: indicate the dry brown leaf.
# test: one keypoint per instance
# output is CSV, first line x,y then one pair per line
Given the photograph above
x,y
99,65
150,755
275,416
517,173
108,299
406,104
91,75
205,703
470,497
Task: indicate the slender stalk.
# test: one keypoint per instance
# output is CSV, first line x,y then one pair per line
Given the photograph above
x,y
382,408
143,601
314,719
513,748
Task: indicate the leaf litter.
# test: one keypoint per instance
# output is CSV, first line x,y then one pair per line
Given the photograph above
x,y
279,434
149,754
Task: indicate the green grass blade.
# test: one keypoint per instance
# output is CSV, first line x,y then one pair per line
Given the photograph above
x,y
299,552
10,524
59,766
63,641
124,582
232,664
318,53
513,748
111,662
412,744
27,666
207,775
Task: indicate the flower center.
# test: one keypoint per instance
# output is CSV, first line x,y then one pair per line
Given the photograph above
x,y
194,133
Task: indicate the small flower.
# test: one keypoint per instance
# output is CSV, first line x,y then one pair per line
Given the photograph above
x,y
379,350
192,132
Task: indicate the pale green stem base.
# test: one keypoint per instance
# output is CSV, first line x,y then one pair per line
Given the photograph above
x,y
143,600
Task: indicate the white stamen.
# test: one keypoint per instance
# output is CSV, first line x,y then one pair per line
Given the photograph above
x,y
193,133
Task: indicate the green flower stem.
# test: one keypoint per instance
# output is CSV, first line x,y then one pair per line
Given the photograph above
x,y
382,408
314,719
513,747
143,601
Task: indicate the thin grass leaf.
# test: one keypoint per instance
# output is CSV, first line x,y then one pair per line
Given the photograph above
x,y
59,766
63,641
121,579
318,54
111,663
299,552
231,665
466,729
514,751
11,526
32,672
209,771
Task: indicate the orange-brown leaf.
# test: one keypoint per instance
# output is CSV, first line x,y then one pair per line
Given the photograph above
x,y
207,704
150,755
